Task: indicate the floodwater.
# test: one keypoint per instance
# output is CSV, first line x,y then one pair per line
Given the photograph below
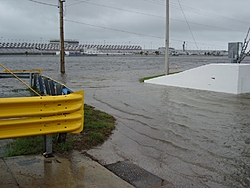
x,y
190,138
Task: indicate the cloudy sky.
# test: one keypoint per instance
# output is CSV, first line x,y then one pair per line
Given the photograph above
x,y
202,24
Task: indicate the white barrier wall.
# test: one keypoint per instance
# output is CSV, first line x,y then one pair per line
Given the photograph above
x,y
227,78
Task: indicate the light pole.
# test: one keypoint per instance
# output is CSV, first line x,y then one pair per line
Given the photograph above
x,y
167,39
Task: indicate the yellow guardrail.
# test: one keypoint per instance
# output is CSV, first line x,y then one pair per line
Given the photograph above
x,y
41,115
31,70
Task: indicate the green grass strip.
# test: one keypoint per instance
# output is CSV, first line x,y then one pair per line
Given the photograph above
x,y
151,77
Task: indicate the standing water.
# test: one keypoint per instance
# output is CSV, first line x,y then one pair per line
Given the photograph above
x,y
191,138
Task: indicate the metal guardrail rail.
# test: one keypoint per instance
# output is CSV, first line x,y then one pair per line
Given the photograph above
x,y
20,75
31,116
57,109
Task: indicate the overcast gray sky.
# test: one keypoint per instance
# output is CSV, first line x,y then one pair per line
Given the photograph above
x,y
202,24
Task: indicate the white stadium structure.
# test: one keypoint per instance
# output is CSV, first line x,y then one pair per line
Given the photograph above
x,y
70,46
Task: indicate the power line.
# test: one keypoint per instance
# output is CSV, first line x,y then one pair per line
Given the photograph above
x,y
131,32
189,26
77,3
211,26
113,29
39,2
118,30
196,11
155,2
206,13
152,15
126,10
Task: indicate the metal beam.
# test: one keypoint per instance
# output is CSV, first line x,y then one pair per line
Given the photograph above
x,y
30,116
20,75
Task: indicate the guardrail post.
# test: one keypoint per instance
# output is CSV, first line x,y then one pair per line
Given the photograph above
x,y
47,138
61,137
52,87
35,80
31,76
58,89
40,80
47,146
47,87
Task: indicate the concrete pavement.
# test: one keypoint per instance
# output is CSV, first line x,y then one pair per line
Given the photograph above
x,y
37,171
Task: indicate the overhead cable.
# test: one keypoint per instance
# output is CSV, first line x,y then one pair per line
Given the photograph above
x,y
196,11
152,15
39,2
131,32
189,26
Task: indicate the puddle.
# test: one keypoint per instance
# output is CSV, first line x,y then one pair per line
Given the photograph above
x,y
75,171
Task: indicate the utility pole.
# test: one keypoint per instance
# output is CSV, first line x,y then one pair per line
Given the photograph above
x,y
167,39
62,53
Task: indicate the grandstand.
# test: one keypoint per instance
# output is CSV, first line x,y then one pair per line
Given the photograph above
x,y
54,46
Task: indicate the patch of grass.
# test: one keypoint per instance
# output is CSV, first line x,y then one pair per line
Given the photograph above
x,y
150,77
98,126
24,146
18,90
25,89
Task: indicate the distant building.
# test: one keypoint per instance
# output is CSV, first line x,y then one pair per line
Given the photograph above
x,y
71,46
163,49
70,42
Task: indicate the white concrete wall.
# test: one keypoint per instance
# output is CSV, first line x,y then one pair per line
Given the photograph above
x,y
244,79
227,78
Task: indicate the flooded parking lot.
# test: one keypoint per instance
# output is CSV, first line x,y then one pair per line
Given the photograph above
x,y
190,138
